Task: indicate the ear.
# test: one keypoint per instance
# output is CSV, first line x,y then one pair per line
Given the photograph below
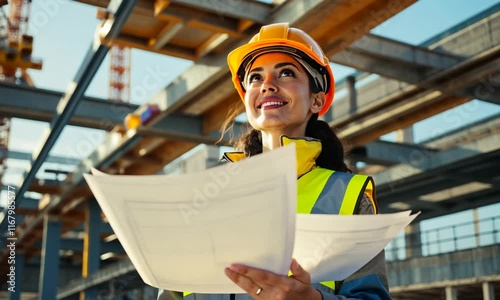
x,y
317,102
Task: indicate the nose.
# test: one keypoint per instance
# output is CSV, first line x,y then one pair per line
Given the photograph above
x,y
268,85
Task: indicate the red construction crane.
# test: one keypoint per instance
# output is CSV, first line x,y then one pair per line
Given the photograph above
x,y
119,73
16,47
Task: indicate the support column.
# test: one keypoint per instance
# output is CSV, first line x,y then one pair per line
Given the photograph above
x,y
49,268
451,293
19,270
412,232
477,226
405,135
91,246
488,291
413,241
353,94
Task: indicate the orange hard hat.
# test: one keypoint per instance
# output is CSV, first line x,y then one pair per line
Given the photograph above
x,y
280,37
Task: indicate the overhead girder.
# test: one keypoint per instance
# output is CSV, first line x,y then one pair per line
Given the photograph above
x,y
437,173
387,153
383,56
28,206
388,105
18,155
412,64
77,245
40,104
394,59
475,77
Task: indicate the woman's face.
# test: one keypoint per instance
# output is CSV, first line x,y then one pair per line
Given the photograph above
x,y
278,98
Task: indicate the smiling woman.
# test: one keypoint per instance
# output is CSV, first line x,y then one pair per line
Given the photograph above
x,y
286,82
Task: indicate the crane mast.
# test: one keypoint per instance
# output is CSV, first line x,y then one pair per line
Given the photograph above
x,y
16,47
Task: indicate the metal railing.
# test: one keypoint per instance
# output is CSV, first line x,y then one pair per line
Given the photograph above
x,y
445,239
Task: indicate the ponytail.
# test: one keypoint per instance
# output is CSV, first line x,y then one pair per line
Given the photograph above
x,y
250,143
332,154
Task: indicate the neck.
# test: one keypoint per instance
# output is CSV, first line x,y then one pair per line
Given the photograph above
x,y
270,141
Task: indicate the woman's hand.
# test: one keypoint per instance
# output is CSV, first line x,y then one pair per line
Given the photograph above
x,y
262,284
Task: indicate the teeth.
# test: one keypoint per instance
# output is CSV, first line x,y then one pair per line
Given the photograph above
x,y
272,103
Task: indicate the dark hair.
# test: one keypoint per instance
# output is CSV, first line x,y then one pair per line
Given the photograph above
x,y
332,153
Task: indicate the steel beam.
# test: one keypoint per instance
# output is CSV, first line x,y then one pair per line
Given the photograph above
x,y
49,269
69,102
388,153
40,104
29,206
51,159
428,161
99,114
434,172
77,246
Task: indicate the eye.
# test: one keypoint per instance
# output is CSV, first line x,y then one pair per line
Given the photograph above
x,y
287,73
254,77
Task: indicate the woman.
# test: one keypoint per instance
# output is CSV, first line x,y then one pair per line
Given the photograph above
x,y
285,82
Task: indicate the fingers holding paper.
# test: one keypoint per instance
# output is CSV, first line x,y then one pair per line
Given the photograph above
x,y
262,284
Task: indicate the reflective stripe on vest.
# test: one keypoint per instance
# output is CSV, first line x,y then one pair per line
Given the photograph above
x,y
322,191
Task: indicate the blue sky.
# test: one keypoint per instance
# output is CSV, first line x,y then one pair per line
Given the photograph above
x,y
63,31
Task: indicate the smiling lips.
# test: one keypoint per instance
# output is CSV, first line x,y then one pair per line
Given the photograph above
x,y
272,103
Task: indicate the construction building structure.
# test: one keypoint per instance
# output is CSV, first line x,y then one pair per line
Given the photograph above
x,y
67,250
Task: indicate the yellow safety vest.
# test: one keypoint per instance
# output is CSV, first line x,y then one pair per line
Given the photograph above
x,y
323,191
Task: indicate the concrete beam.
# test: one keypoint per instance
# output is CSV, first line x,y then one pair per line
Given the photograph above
x,y
248,10
399,106
474,78
394,59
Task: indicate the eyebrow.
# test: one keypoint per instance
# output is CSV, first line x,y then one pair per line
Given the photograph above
x,y
277,66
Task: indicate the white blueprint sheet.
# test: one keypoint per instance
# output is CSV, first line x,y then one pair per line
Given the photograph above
x,y
180,232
